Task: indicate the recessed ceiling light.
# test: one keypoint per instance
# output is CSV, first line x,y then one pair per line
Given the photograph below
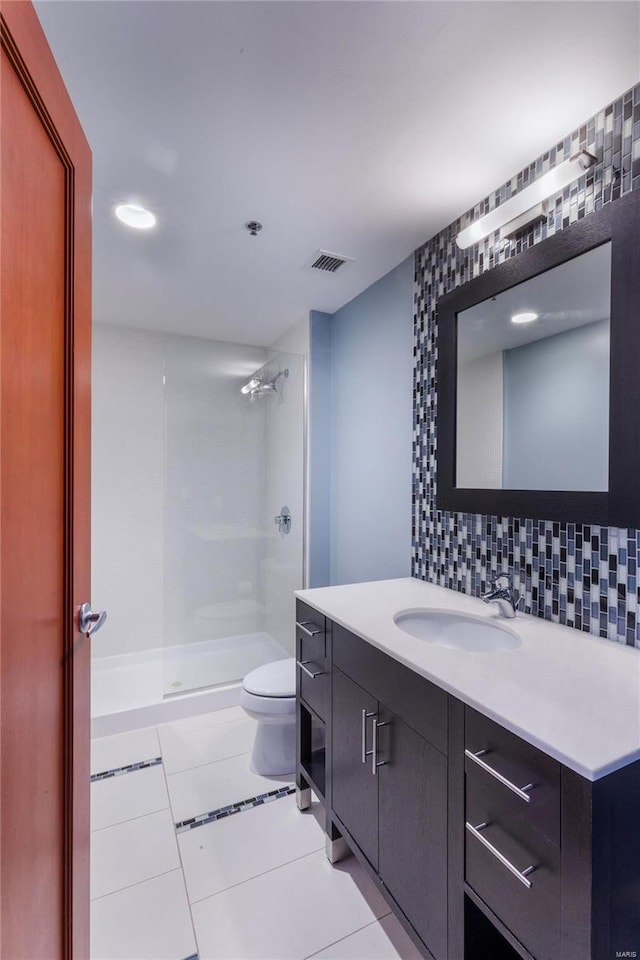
x,y
135,216
525,317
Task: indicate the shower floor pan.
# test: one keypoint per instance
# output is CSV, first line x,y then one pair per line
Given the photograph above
x,y
169,683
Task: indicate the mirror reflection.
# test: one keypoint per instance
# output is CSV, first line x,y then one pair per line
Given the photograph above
x,y
532,403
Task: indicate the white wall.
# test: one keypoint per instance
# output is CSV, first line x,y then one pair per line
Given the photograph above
x,y
284,487
178,490
127,488
214,492
296,339
479,409
284,464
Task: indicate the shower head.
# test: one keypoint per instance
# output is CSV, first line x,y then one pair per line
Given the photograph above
x,y
251,386
257,387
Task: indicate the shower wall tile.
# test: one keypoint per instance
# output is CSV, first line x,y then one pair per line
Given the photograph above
x,y
213,492
177,491
284,486
583,576
127,488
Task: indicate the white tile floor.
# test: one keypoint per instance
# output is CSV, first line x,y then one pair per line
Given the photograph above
x,y
254,885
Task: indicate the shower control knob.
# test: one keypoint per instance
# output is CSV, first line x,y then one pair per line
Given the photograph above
x,y
283,520
88,621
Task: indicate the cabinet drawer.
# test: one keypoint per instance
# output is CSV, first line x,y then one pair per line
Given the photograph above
x,y
412,698
311,655
531,912
506,757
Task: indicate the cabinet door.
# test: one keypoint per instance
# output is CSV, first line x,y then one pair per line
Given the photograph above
x,y
355,788
413,829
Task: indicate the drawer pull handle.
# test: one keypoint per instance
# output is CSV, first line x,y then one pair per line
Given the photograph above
x,y
375,763
365,716
522,792
303,666
521,875
304,625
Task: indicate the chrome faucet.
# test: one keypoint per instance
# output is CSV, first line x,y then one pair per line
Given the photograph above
x,y
504,595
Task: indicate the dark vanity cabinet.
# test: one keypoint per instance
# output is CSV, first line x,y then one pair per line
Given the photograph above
x,y
551,858
385,789
313,693
355,792
485,847
512,839
389,783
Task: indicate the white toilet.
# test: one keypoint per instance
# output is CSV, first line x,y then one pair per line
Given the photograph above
x,y
269,696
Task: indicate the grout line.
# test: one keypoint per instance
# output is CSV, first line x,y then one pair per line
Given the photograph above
x,y
333,943
137,883
129,768
211,763
184,884
230,809
182,870
140,816
263,873
208,763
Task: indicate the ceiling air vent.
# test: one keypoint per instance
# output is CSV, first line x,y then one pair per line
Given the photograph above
x,y
328,262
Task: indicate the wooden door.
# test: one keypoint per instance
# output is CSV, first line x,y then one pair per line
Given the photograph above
x,y
354,788
412,859
45,370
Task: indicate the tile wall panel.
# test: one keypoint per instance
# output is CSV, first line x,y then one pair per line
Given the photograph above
x,y
580,575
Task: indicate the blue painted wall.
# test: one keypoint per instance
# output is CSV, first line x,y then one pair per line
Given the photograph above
x,y
370,432
556,412
319,448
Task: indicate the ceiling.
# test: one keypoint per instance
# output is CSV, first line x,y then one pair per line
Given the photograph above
x,y
361,128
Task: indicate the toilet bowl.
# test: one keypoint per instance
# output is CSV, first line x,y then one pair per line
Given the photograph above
x,y
269,696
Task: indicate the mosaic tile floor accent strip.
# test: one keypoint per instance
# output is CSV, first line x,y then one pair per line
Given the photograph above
x,y
183,825
130,768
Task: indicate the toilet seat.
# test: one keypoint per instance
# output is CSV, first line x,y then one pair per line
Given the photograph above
x,y
275,680
261,708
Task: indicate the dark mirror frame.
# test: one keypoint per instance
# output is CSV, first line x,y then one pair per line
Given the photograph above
x,y
619,222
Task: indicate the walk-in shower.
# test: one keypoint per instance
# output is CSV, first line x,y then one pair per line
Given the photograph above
x,y
197,446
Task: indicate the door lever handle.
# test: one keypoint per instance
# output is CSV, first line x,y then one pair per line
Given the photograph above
x,y
88,621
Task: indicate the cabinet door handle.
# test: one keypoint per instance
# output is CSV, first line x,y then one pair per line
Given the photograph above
x,y
521,875
304,626
310,673
522,792
375,763
365,716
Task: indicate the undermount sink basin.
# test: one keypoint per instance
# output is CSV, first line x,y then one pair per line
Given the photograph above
x,y
457,630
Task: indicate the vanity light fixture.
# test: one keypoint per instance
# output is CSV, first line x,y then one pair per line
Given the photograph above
x,y
527,316
133,215
527,200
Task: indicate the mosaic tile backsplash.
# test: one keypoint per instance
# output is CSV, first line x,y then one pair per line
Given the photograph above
x,y
583,576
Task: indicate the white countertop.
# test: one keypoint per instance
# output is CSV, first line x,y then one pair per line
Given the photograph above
x,y
571,694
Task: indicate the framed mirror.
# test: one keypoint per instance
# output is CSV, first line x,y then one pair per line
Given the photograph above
x,y
539,379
